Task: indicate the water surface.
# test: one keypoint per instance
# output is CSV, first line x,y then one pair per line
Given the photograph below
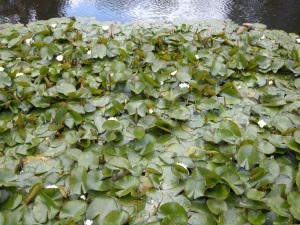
x,y
277,14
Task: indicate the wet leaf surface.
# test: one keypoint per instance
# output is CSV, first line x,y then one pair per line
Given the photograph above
x,y
148,124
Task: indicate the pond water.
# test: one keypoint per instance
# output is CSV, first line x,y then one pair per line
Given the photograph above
x,y
277,14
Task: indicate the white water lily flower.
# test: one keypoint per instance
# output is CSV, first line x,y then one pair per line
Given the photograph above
x,y
53,25
29,41
184,85
88,222
271,82
161,83
113,118
1,69
19,74
151,111
105,27
82,197
60,58
174,73
51,186
89,52
262,123
263,37
298,40
182,165
197,56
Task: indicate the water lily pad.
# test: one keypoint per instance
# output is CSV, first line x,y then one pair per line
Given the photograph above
x,y
111,125
99,51
173,213
148,124
73,209
66,88
297,136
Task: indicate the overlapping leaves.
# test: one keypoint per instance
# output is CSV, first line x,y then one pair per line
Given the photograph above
x,y
128,124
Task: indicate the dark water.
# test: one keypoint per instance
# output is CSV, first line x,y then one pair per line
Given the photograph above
x,y
277,14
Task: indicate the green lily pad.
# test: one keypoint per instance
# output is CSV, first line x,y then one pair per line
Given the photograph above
x,y
73,209
111,125
99,51
173,214
151,124
66,88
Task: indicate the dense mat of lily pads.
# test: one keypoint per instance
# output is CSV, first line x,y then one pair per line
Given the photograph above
x,y
153,124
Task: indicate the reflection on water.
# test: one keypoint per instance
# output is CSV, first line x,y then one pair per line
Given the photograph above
x,y
279,14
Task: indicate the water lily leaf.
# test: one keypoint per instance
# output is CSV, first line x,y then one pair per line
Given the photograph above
x,y
116,217
293,145
294,202
107,123
278,205
73,209
95,183
195,186
218,68
71,137
137,87
77,180
88,160
229,131
256,217
7,178
247,155
5,80
13,201
66,88
139,132
137,107
297,136
183,75
201,218
297,83
254,194
282,123
231,93
216,206
96,207
40,213
266,147
99,51
220,192
179,112
119,162
126,182
272,100
232,217
263,62
173,214
158,65
111,125
298,178
196,121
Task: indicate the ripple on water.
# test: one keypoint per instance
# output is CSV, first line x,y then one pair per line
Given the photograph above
x,y
168,10
276,13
